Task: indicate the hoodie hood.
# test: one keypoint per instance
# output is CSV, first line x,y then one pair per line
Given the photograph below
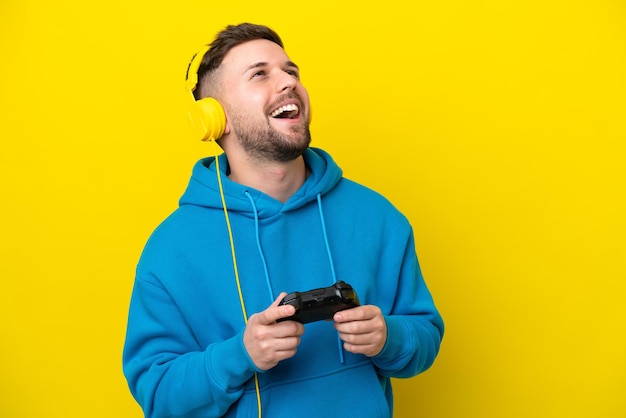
x,y
203,188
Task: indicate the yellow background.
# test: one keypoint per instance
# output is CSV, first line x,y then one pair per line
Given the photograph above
x,y
498,127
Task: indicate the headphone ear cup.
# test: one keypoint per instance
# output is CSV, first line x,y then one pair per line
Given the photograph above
x,y
208,119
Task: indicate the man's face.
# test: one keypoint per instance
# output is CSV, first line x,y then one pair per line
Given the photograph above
x,y
267,107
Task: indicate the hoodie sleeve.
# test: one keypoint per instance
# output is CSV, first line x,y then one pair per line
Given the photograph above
x,y
168,372
414,326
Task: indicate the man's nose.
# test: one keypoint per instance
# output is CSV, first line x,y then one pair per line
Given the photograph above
x,y
286,82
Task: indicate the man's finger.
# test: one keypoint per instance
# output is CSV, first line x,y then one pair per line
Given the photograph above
x,y
359,313
275,312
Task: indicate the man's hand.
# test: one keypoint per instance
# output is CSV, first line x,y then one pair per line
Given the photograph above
x,y
268,341
362,329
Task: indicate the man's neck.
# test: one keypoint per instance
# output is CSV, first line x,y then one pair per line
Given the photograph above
x,y
278,180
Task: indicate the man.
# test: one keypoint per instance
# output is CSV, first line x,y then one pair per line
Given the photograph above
x,y
296,224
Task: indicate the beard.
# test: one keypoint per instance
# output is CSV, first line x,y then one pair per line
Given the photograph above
x,y
263,142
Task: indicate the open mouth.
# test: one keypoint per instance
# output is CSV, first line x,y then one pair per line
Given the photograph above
x,y
289,111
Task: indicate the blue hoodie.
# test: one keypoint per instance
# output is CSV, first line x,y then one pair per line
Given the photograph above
x,y
184,354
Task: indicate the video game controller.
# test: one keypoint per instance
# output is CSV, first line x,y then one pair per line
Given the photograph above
x,y
319,304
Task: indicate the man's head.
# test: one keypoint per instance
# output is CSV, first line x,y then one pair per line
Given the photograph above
x,y
267,108
228,38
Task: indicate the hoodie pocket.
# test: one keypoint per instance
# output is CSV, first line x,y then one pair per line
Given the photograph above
x,y
350,391
247,407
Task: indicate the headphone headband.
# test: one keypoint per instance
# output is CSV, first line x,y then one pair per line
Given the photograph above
x,y
191,79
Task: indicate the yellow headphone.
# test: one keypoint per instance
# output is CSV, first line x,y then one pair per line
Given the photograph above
x,y
207,116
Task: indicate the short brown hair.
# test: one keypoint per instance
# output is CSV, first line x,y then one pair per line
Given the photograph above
x,y
228,38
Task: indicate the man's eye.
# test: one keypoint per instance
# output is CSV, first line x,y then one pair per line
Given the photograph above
x,y
259,73
293,73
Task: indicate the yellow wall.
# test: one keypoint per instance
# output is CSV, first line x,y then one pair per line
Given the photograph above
x,y
498,127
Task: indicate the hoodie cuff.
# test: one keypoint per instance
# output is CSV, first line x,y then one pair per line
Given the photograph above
x,y
397,350
229,364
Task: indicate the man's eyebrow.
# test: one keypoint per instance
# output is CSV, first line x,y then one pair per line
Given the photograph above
x,y
255,65
264,64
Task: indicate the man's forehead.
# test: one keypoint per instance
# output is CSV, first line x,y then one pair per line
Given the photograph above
x,y
252,53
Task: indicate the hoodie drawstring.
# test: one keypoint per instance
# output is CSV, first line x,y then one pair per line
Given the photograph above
x,y
258,245
330,256
332,266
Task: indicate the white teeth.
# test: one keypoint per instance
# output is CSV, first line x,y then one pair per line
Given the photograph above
x,y
282,109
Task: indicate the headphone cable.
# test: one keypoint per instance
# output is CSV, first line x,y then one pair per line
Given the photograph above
x,y
234,258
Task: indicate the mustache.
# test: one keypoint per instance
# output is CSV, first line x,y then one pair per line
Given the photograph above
x,y
290,95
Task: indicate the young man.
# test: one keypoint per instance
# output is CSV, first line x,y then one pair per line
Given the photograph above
x,y
296,225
